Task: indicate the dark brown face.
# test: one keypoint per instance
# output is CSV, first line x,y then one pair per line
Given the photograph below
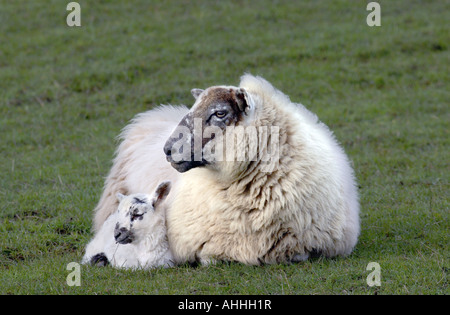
x,y
215,110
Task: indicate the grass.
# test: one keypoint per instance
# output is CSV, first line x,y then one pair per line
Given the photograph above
x,y
65,93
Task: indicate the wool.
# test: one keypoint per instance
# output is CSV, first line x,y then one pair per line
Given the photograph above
x,y
309,203
254,212
139,164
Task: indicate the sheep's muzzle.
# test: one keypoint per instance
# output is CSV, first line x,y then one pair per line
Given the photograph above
x,y
123,236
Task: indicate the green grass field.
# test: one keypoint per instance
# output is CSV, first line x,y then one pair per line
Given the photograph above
x,y
65,94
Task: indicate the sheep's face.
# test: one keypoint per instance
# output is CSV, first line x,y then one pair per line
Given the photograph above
x,y
138,214
200,135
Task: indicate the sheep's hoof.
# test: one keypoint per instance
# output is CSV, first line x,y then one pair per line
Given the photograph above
x,y
99,260
208,261
299,258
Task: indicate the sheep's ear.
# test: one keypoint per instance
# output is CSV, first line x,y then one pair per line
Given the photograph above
x,y
161,193
243,100
196,92
119,196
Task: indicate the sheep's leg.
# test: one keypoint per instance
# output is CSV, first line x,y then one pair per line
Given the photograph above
x,y
203,255
285,249
207,261
300,257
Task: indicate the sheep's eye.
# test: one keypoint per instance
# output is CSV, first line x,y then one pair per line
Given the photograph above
x,y
220,114
136,216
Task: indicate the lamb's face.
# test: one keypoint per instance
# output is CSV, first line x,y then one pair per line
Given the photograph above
x,y
200,132
131,213
138,214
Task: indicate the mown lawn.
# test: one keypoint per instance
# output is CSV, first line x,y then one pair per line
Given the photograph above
x,y
65,94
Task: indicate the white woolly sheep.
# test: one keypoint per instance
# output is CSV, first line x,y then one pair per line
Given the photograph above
x,y
285,203
134,236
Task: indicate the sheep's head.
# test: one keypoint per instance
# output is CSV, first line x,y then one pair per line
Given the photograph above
x,y
199,137
138,213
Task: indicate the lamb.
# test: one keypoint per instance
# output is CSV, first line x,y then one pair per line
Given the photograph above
x,y
134,236
290,195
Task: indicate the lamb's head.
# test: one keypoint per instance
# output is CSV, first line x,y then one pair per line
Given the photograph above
x,y
198,140
139,213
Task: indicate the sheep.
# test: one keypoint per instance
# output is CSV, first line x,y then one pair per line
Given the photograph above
x,y
134,236
291,194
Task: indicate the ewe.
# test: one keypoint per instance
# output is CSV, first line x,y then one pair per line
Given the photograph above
x,y
260,179
135,236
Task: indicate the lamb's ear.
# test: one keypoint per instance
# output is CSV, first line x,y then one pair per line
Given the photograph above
x,y
243,100
161,193
196,92
119,196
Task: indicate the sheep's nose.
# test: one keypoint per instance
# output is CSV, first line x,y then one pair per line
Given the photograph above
x,y
122,235
168,148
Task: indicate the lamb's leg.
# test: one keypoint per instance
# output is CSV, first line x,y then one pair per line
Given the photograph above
x,y
99,260
101,246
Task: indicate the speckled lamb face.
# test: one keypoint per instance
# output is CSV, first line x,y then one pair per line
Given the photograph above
x,y
215,109
136,213
131,211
